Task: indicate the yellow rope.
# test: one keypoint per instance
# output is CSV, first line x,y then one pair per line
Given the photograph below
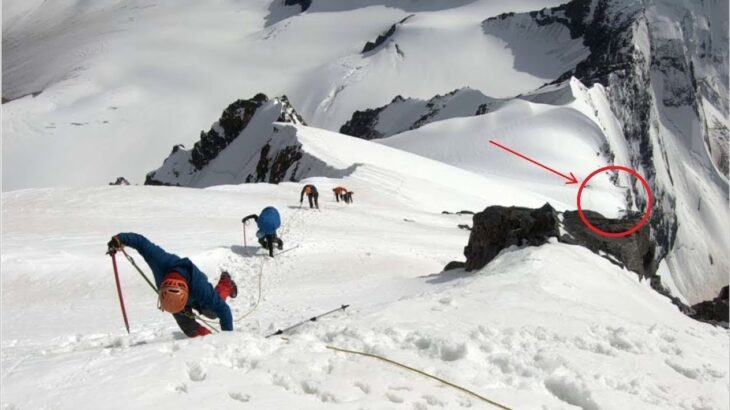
x,y
261,270
385,359
258,300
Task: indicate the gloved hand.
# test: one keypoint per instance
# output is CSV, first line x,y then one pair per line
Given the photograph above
x,y
113,245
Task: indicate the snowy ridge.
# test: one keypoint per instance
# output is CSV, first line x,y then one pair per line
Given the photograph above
x,y
403,114
124,97
236,149
555,326
581,124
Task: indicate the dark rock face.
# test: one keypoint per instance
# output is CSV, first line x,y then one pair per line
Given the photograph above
x,y
499,227
233,120
462,212
304,4
614,62
372,45
120,181
635,252
713,311
275,168
362,124
454,265
275,158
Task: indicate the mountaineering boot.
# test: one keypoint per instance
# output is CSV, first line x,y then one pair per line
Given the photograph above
x,y
226,287
279,244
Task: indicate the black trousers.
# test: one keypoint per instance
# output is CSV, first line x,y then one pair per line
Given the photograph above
x,y
313,197
186,320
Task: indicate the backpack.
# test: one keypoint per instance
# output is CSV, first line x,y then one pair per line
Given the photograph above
x,y
269,220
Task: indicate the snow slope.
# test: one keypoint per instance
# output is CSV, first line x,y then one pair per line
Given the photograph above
x,y
555,327
584,136
122,81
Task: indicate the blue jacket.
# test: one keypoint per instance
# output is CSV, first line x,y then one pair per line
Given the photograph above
x,y
201,295
268,220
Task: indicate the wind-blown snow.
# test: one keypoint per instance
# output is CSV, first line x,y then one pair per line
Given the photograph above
x,y
549,327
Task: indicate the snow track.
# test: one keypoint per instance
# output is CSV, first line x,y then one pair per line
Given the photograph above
x,y
550,327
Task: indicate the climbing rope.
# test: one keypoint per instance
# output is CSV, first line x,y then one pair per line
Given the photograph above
x,y
421,372
284,230
258,300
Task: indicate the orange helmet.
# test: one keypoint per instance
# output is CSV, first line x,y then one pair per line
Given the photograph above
x,y
173,293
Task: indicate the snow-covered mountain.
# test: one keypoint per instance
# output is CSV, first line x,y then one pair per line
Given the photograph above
x,y
655,82
397,100
661,77
119,82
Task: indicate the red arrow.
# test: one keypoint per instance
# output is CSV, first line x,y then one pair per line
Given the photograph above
x,y
570,179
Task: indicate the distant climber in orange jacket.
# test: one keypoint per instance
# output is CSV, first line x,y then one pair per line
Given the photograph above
x,y
340,193
312,195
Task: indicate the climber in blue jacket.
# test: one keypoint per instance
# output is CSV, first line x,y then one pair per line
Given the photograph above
x,y
182,286
268,221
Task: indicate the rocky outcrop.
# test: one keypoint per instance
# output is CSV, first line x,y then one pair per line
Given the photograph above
x,y
454,265
273,168
303,4
244,139
713,311
499,227
120,181
635,252
362,124
382,38
235,118
403,114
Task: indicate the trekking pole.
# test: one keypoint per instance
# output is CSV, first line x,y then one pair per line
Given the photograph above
x,y
119,291
312,319
244,235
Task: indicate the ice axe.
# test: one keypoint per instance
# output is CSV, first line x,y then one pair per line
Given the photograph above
x,y
119,289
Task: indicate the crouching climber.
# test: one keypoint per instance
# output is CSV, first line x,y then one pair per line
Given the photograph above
x,y
312,196
268,221
340,193
181,286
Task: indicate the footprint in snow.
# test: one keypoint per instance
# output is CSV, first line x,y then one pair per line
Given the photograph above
x,y
363,386
394,397
196,372
240,397
433,400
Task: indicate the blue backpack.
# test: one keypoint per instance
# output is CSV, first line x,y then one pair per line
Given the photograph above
x,y
269,220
